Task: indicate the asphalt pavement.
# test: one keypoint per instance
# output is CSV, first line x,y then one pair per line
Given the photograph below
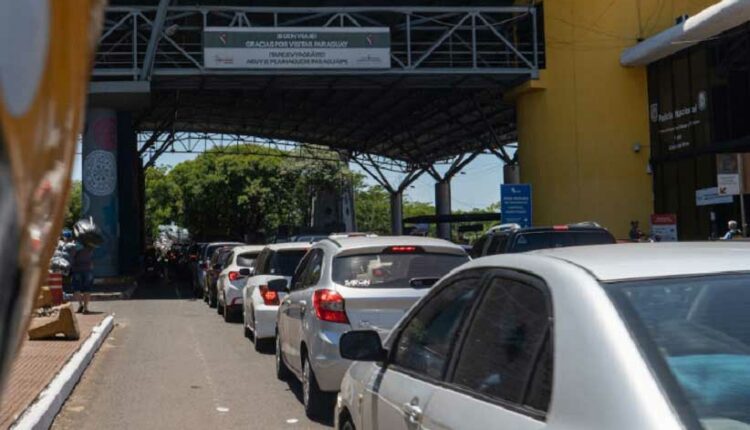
x,y
171,362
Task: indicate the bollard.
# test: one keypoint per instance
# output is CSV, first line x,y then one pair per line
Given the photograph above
x,y
55,282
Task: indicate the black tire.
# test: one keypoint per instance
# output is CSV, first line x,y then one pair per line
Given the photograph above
x,y
348,424
212,301
228,315
315,400
282,372
219,308
248,333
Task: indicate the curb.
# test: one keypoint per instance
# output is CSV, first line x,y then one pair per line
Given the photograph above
x,y
41,413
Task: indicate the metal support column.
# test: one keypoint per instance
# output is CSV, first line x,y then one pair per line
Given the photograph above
x,y
443,206
397,212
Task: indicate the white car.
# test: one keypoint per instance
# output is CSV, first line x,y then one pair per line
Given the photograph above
x,y
260,304
232,279
351,283
616,337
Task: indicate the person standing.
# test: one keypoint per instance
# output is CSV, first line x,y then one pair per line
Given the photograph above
x,y
733,232
82,275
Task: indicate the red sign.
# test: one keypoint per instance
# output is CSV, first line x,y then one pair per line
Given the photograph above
x,y
663,219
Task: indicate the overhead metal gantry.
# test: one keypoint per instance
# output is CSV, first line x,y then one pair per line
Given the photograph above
x,y
441,97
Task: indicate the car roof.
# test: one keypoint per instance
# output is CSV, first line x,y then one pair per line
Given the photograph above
x,y
347,243
633,261
249,248
288,246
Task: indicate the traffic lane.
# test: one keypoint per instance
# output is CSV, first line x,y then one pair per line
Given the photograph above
x,y
172,362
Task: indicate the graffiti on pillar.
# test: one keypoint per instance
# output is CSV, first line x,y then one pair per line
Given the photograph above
x,y
105,132
100,173
85,205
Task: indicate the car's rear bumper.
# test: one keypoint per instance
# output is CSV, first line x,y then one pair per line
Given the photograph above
x,y
265,321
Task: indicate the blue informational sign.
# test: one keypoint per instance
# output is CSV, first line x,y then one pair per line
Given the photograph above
x,y
515,204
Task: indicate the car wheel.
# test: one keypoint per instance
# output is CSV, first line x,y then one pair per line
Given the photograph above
x,y
227,313
248,333
313,398
347,425
282,372
260,344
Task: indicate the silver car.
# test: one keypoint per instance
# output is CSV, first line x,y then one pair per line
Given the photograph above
x,y
351,283
617,337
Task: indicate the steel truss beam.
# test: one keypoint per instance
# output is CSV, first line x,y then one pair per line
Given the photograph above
x,y
140,42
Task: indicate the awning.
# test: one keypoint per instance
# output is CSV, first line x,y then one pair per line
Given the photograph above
x,y
710,22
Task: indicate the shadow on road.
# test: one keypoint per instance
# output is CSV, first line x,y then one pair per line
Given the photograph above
x,y
296,388
163,290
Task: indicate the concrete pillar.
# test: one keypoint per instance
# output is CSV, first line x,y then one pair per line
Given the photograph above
x,y
511,174
129,190
397,213
443,207
100,197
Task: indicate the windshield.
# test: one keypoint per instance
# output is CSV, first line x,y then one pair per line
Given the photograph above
x,y
247,259
558,239
392,270
700,329
284,263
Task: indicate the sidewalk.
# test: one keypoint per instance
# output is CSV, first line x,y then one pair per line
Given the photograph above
x,y
36,364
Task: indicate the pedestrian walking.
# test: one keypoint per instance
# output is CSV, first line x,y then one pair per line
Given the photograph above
x,y
87,237
82,275
733,232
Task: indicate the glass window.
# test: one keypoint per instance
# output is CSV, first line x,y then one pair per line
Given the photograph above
x,y
314,268
478,247
593,238
699,328
247,259
391,270
497,245
425,342
283,263
504,342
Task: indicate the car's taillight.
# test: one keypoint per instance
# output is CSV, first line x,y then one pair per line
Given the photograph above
x,y
560,227
233,276
270,298
329,306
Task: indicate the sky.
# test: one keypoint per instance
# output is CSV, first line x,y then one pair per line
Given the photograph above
x,y
478,187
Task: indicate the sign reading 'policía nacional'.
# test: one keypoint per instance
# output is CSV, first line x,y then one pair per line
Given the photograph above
x,y
297,48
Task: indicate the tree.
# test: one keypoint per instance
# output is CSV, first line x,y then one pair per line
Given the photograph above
x,y
241,195
74,209
163,199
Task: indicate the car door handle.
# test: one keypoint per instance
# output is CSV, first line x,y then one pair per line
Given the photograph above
x,y
412,412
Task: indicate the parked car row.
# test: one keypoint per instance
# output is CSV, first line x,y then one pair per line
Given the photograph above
x,y
408,332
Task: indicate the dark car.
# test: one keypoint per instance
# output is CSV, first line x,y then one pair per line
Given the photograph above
x,y
215,266
512,238
204,259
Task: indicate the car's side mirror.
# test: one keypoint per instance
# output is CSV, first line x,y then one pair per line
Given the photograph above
x,y
362,345
246,272
278,285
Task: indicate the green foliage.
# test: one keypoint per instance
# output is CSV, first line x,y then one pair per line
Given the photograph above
x,y
240,195
74,207
164,201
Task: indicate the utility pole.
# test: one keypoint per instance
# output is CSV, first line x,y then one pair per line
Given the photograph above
x,y
740,171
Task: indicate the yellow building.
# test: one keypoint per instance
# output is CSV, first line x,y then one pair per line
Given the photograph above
x,y
583,127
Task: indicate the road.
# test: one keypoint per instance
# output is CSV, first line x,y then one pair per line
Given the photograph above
x,y
173,363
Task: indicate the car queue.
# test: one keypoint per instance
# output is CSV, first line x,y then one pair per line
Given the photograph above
x,y
546,328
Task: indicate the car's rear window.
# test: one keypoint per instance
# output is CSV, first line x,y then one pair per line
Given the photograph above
x,y
698,331
534,240
247,259
284,263
389,270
